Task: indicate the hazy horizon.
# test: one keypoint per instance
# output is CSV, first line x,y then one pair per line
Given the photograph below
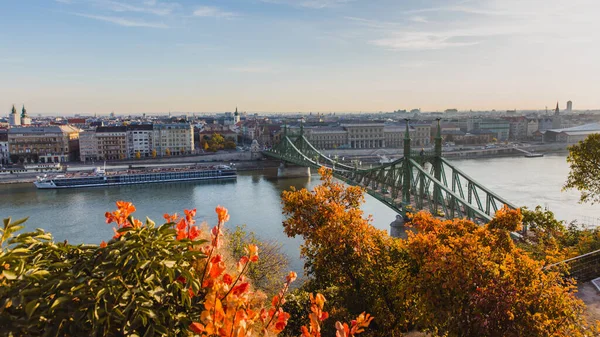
x,y
130,56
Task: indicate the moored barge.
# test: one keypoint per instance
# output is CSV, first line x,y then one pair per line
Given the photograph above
x,y
101,178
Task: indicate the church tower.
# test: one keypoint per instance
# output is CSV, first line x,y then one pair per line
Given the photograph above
x,y
14,119
25,120
556,119
236,116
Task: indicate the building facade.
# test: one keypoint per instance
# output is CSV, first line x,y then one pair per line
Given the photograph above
x,y
365,135
532,126
112,142
328,137
50,144
394,135
517,128
498,126
88,146
173,139
4,154
139,140
571,135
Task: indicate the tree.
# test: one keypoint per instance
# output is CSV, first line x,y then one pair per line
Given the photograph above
x,y
552,240
266,273
452,278
584,159
229,145
138,155
217,139
342,250
471,280
167,152
153,153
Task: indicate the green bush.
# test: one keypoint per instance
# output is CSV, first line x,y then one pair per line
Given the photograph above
x,y
130,287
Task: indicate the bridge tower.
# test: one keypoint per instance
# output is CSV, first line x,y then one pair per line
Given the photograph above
x,y
290,170
437,165
406,168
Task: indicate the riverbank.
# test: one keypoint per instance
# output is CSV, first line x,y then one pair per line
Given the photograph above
x,y
247,161
373,156
254,165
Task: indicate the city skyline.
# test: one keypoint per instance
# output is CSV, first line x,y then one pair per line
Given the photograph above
x,y
135,56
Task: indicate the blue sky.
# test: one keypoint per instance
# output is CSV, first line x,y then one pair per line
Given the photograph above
x,y
133,56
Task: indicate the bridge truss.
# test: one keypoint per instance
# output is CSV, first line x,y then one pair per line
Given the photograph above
x,y
417,181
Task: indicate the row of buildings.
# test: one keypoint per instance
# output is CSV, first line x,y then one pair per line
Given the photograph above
x,y
136,141
367,135
64,143
56,139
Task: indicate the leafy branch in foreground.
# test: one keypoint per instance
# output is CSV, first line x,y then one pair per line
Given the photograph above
x,y
168,280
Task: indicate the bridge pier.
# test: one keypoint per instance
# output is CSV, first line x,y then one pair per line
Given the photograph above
x,y
292,171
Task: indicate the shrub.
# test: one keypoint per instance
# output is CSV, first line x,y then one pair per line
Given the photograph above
x,y
168,280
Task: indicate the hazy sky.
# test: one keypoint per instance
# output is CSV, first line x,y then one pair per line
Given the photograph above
x,y
133,56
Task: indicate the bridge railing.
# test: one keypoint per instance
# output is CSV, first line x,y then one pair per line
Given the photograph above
x,y
451,197
583,268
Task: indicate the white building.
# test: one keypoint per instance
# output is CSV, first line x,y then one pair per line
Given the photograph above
x,y
14,119
532,126
139,140
25,119
88,146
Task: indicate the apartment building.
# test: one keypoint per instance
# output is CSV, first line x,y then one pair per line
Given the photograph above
x,y
173,139
49,144
139,140
4,154
112,142
88,146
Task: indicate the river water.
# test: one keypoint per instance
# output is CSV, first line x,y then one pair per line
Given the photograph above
x,y
77,215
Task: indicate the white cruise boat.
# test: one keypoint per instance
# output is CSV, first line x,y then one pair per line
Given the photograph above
x,y
101,178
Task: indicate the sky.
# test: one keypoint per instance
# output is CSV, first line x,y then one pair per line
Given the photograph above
x,y
136,56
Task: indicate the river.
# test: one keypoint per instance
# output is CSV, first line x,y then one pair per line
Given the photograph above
x,y
77,215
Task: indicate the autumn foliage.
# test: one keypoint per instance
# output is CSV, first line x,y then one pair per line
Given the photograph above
x,y
170,280
471,280
345,255
451,278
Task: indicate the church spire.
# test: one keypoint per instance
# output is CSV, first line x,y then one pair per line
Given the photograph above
x,y
236,111
23,112
557,110
13,111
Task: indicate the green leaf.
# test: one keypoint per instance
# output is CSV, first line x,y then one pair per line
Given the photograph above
x,y
58,302
168,263
9,274
30,307
142,264
100,293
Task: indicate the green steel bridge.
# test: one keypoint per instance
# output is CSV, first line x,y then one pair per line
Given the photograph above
x,y
420,180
